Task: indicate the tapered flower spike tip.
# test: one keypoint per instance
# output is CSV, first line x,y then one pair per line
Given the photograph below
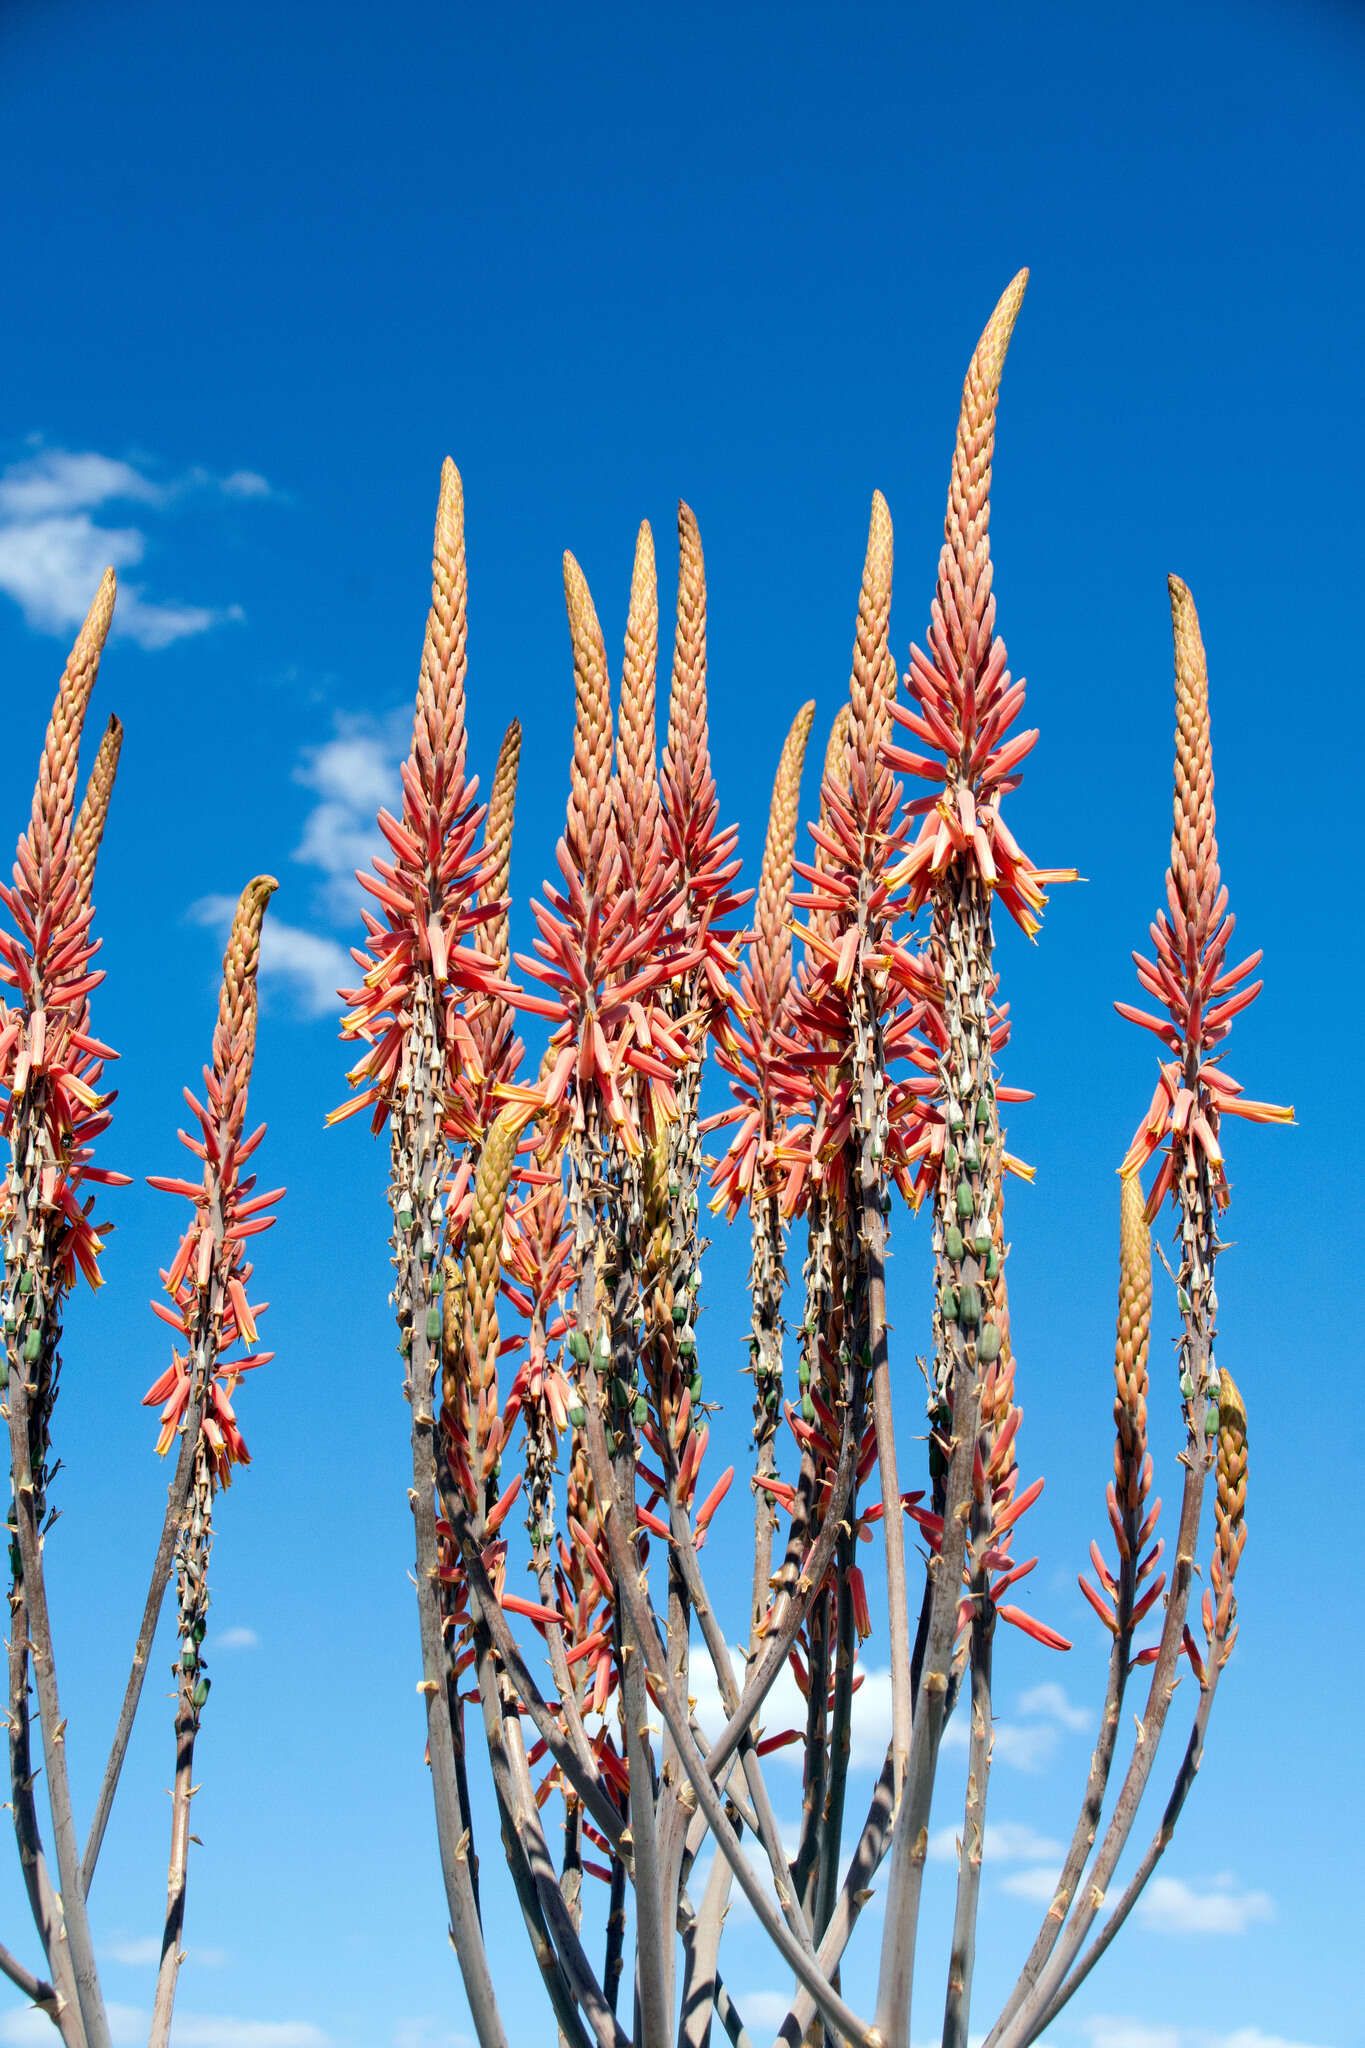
x,y
502,804
688,739
237,997
54,796
966,527
1194,847
440,696
772,939
590,778
94,810
873,680
639,670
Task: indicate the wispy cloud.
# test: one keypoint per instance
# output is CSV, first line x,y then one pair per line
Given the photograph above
x,y
1103,2030
311,967
1173,1907
138,1951
352,775
53,552
237,1639
1050,1703
1007,1841
128,2025
1037,1885
427,2033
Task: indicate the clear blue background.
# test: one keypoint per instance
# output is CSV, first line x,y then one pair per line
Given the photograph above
x,y
278,261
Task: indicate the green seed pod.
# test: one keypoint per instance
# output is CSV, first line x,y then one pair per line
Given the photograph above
x,y
33,1347
803,1372
1182,1301
992,1263
1186,1387
988,1344
1211,1419
966,1202
680,1312
953,1246
807,1408
188,1657
613,1443
405,1220
981,1244
602,1349
969,1305
641,1409
199,1631
983,1111
577,1414
201,1692
694,1388
950,1304
578,1346
433,1321
971,1156
620,1392
950,1158
26,1282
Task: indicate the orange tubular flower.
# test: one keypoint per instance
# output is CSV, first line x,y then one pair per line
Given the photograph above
x,y
1199,993
208,1278
428,892
603,948
50,1065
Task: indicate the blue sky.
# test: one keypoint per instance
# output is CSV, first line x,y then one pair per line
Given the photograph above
x,y
261,273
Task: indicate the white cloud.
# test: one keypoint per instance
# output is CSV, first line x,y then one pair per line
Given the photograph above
x,y
128,2025
763,2008
236,1639
1050,1703
1038,1884
133,1950
24,2025
245,483
53,553
426,2033
201,2031
141,1950
352,775
311,966
1007,1841
58,480
1108,2031
1171,1906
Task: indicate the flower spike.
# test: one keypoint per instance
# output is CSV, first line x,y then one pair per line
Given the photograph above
x,y
1189,976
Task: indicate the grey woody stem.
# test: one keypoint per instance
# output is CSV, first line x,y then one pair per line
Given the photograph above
x,y
73,1910
969,1190
633,1595
1199,1249
43,1901
36,1989
416,1163
958,2002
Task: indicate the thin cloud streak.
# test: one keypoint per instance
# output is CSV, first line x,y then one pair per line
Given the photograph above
x,y
53,552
